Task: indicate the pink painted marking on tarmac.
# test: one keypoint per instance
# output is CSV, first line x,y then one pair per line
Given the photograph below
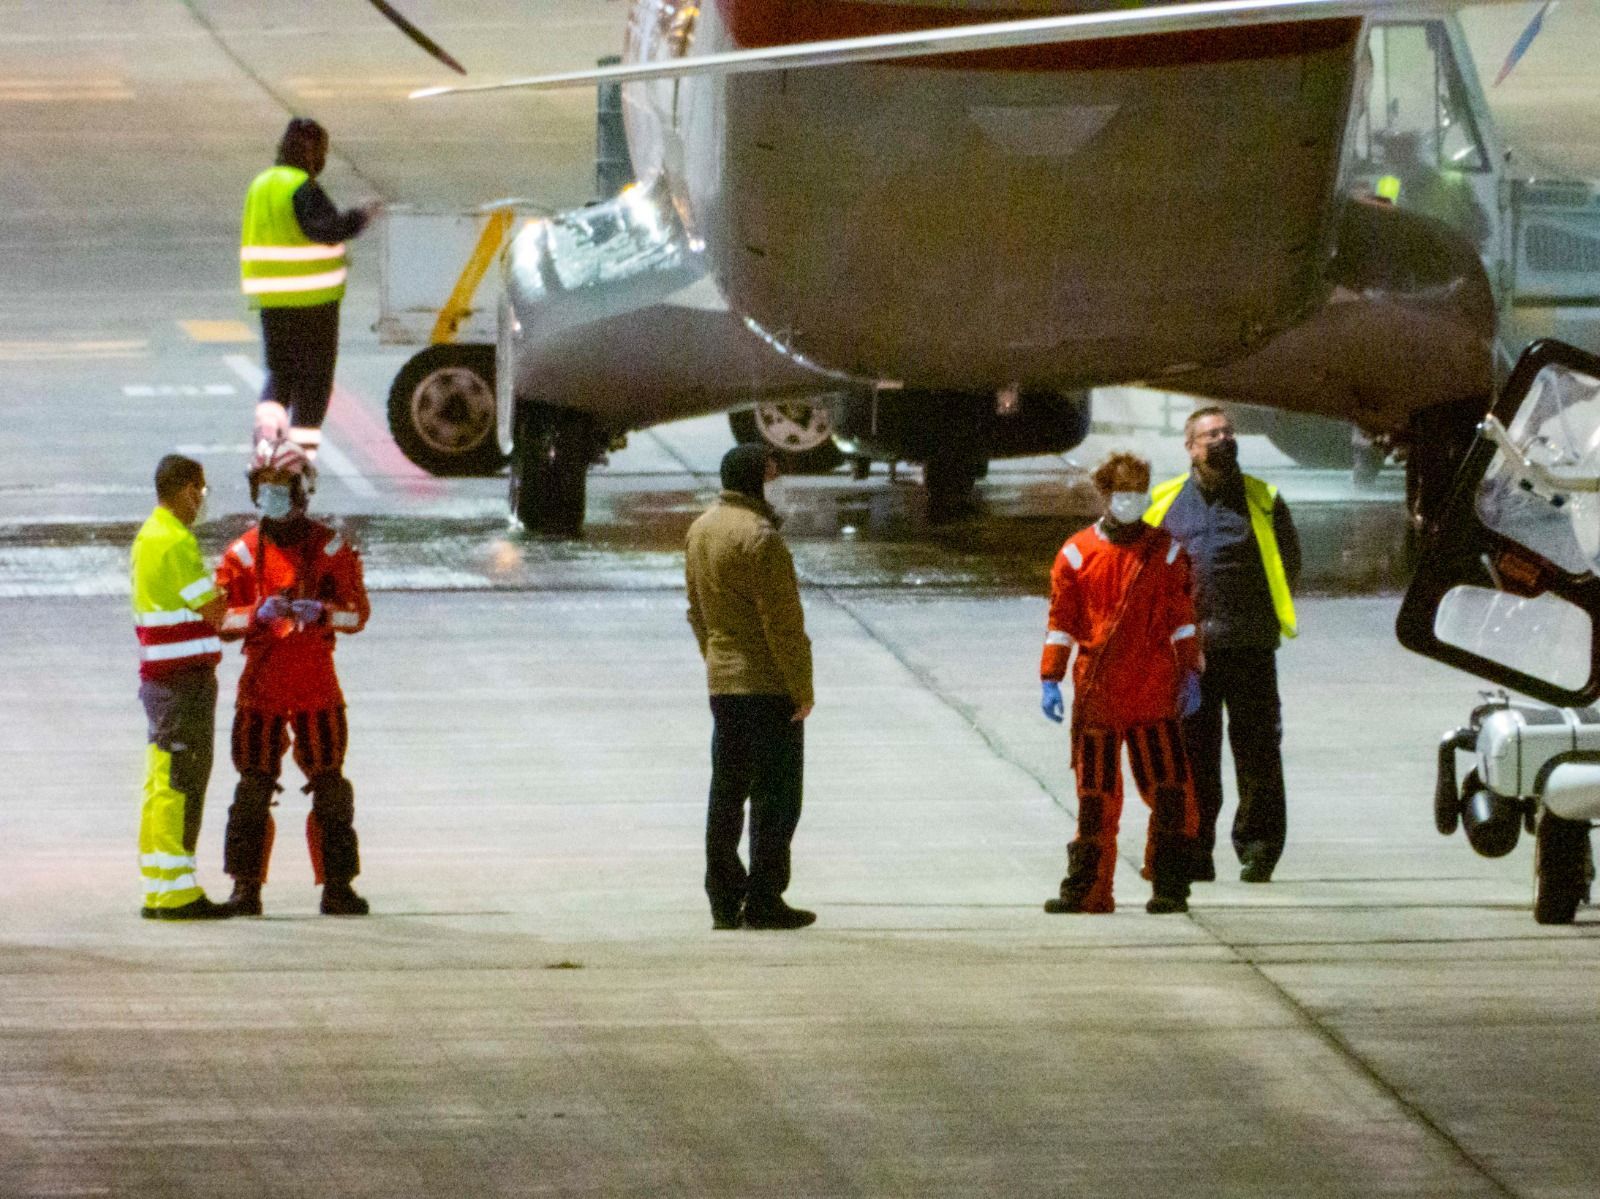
x,y
369,440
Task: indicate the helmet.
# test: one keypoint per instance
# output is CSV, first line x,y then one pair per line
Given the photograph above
x,y
281,454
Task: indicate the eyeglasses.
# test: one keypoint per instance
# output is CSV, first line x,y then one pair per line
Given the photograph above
x,y
1220,433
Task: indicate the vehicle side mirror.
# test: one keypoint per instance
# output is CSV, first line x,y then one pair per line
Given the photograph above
x,y
1506,586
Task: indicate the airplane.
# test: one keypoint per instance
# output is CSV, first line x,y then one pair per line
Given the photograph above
x,y
948,223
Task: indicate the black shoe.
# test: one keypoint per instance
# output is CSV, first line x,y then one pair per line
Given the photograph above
x,y
778,916
340,899
1204,870
725,919
195,909
246,898
1255,872
1074,906
1165,905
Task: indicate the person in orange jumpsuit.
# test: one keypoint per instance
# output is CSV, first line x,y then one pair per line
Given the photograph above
x,y
291,583
1120,592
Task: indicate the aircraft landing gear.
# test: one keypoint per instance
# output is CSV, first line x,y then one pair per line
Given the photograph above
x,y
551,451
949,478
1562,868
1439,441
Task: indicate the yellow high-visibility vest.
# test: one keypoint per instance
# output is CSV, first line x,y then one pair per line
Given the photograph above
x,y
279,266
1260,498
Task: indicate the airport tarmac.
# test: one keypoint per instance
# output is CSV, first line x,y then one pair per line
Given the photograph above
x,y
537,1005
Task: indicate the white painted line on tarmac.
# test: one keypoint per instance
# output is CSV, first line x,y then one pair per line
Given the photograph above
x,y
329,454
199,448
142,391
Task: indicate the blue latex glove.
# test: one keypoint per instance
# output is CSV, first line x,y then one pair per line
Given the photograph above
x,y
307,611
274,607
1050,701
1189,694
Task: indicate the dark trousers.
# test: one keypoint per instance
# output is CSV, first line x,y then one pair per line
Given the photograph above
x,y
301,346
1245,682
757,754
320,740
1162,776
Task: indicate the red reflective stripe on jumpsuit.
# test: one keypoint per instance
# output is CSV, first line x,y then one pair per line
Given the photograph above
x,y
1125,689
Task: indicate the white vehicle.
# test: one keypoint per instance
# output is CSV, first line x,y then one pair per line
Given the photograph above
x,y
1508,588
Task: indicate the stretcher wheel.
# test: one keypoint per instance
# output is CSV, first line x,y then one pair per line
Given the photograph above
x,y
1560,860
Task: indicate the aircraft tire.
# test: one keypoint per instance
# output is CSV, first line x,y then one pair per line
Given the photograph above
x,y
800,432
949,480
442,411
551,448
1559,874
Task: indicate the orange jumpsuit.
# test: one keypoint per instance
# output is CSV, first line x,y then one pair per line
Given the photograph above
x,y
289,689
1128,608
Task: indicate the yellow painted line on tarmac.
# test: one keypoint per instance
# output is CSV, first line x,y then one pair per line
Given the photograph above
x,y
217,331
71,351
51,91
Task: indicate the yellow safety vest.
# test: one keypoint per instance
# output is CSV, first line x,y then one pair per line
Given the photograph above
x,y
279,266
1260,498
168,583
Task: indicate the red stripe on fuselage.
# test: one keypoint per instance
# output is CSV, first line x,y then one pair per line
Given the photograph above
x,y
759,23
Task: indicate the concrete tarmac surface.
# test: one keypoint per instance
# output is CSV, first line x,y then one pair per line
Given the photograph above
x,y
538,1005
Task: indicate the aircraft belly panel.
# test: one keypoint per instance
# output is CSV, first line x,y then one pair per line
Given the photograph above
x,y
960,228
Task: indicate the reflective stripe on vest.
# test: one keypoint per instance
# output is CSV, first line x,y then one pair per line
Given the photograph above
x,y
1260,498
279,266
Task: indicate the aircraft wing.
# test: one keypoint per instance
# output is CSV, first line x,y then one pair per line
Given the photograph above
x,y
962,39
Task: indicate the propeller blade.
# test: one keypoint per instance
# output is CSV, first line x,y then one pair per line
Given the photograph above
x,y
1523,42
417,36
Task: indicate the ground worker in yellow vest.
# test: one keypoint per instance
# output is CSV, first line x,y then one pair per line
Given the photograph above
x,y
292,267
1246,557
177,611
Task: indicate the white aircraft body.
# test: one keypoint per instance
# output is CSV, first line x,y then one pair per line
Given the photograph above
x,y
946,221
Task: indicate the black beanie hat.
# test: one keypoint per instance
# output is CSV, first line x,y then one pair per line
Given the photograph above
x,y
744,469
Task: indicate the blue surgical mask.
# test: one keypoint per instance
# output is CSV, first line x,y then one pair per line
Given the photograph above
x,y
1128,506
276,500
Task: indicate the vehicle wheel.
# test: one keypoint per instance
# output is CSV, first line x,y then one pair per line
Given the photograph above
x,y
802,434
1314,441
1559,875
551,448
441,411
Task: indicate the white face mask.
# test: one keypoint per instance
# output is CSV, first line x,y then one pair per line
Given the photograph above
x,y
1126,507
275,499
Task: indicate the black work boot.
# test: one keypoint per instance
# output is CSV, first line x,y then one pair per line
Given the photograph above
x,y
195,909
246,897
340,899
777,915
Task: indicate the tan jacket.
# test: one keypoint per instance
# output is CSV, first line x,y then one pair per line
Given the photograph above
x,y
744,602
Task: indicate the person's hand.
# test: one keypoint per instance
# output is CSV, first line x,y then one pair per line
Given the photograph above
x,y
372,210
1189,694
1050,701
801,712
274,607
307,611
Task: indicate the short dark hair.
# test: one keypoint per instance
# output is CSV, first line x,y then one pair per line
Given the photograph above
x,y
174,473
1200,414
301,143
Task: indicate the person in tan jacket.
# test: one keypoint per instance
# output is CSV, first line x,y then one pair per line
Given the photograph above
x,y
744,608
